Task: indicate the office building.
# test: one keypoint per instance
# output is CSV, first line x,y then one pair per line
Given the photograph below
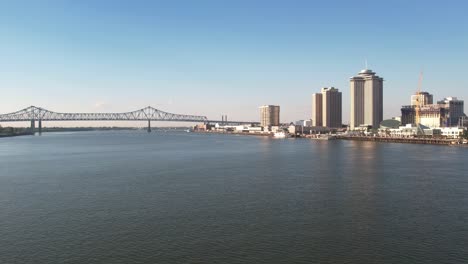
x,y
317,109
326,108
455,110
269,115
366,99
331,107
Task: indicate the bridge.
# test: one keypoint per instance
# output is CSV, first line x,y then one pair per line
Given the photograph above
x,y
33,114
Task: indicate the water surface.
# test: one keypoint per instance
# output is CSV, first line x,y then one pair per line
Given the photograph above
x,y
133,197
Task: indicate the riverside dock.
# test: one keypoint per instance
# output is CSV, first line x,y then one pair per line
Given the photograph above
x,y
432,141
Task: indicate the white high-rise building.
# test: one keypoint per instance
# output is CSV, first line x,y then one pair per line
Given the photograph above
x,y
366,99
269,115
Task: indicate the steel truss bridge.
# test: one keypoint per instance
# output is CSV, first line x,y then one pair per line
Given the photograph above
x,y
149,114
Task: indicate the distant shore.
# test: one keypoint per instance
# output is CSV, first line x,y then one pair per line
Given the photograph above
x,y
16,134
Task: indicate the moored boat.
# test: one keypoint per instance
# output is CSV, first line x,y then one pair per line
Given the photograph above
x,y
280,135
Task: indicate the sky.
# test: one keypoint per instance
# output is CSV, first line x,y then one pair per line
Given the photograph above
x,y
216,58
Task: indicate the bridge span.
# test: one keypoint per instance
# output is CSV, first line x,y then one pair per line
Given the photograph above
x,y
33,114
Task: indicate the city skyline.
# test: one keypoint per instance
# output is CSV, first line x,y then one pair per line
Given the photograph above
x,y
234,57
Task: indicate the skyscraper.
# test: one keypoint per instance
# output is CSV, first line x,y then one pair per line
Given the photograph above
x,y
317,109
269,115
366,99
331,107
326,108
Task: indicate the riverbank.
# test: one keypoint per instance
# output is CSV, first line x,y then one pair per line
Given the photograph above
x,y
427,141
269,134
16,134
430,141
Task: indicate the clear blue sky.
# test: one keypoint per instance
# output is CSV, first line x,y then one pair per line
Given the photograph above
x,y
225,57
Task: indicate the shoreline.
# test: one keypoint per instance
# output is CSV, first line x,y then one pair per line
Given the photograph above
x,y
17,134
423,141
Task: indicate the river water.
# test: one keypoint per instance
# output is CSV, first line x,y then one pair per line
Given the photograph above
x,y
133,197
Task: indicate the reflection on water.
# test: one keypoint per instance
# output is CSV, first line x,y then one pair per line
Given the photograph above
x,y
134,197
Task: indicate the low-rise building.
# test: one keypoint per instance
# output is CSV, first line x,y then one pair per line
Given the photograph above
x,y
411,130
306,123
203,127
453,132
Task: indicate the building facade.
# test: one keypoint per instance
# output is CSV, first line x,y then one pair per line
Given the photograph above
x,y
317,109
327,108
424,98
431,115
331,107
455,110
448,112
269,115
366,99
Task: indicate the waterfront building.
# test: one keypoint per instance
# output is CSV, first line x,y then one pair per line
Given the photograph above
x,y
317,109
390,123
455,110
446,113
305,123
424,98
269,115
331,107
433,115
366,99
453,132
410,130
326,108
307,130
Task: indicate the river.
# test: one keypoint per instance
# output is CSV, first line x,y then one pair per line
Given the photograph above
x,y
176,197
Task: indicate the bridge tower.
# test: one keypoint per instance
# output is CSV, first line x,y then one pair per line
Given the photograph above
x,y
33,125
149,126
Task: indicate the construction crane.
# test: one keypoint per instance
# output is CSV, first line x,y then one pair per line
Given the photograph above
x,y
417,108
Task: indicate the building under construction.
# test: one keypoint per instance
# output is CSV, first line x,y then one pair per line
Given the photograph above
x,y
446,113
429,115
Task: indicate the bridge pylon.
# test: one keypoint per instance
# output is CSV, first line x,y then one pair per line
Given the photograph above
x,y
33,125
149,126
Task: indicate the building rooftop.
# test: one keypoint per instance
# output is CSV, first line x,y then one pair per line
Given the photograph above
x,y
332,89
366,74
366,71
